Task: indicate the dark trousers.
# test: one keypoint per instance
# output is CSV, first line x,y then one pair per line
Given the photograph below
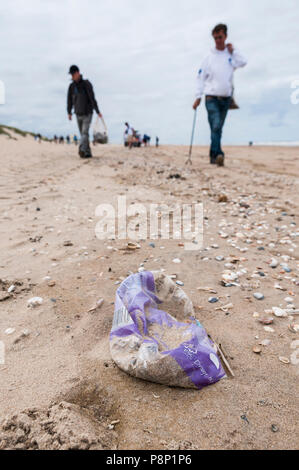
x,y
217,108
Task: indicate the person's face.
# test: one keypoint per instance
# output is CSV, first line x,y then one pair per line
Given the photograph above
x,y
76,76
220,39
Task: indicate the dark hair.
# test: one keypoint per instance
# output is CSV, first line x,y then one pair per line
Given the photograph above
x,y
220,27
74,69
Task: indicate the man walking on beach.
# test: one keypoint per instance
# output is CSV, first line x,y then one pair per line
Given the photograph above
x,y
215,81
81,97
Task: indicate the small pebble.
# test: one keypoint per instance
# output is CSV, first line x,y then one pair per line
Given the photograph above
x,y
213,300
244,417
269,329
265,342
274,263
9,331
258,296
287,269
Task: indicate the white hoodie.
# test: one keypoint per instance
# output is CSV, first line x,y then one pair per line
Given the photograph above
x,y
216,74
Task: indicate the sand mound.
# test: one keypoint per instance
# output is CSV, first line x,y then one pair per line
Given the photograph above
x,y
63,426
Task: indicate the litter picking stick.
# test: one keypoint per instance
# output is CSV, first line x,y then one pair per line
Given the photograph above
x,y
192,137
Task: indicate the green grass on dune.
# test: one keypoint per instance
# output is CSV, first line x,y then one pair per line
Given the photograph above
x,y
5,130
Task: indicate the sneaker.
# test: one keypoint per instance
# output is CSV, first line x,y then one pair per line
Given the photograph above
x,y
220,160
81,154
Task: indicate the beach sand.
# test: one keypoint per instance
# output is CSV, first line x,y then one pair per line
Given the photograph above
x,y
57,360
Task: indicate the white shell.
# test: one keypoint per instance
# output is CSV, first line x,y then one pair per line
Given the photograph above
x,y
279,312
10,331
34,301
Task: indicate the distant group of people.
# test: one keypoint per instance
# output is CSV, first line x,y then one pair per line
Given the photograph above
x,y
214,81
133,138
60,140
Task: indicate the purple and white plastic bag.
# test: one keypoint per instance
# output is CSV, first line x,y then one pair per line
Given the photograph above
x,y
150,339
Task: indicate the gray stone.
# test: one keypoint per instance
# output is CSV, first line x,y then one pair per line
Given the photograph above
x,y
258,296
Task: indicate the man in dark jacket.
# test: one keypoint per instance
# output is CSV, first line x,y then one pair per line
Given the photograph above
x,y
81,97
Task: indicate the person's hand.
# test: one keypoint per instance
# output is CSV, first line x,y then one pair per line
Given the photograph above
x,y
196,103
100,115
70,117
230,48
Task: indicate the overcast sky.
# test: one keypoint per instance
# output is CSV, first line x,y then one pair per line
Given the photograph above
x,y
142,58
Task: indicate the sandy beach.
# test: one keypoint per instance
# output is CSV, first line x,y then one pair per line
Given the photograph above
x,y
59,386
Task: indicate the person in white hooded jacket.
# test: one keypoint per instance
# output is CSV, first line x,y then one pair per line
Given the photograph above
x,y
215,81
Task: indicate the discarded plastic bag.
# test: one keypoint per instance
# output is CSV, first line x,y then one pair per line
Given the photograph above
x,y
151,344
100,133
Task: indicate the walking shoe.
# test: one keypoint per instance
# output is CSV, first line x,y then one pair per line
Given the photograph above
x,y
220,160
81,154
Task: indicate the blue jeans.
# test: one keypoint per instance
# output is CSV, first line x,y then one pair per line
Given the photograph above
x,y
84,124
217,110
